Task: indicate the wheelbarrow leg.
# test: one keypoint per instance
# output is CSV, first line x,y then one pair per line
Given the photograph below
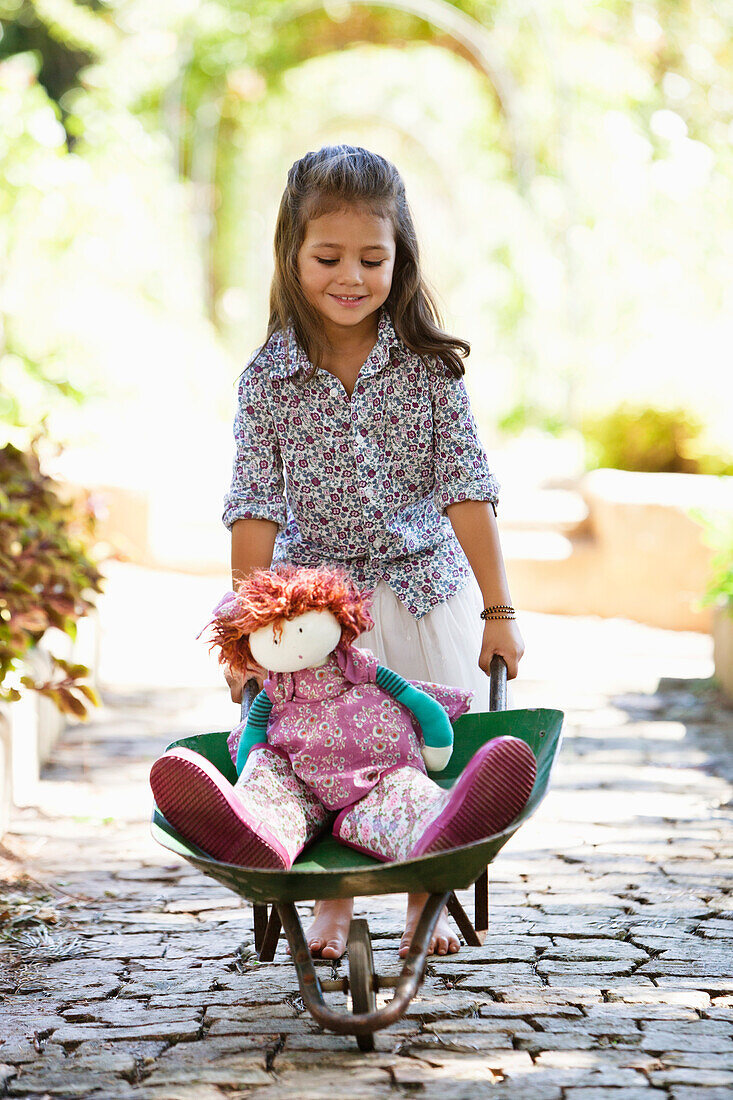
x,y
260,923
481,911
271,937
267,931
462,919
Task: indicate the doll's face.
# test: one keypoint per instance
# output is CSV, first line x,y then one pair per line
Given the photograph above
x,y
303,642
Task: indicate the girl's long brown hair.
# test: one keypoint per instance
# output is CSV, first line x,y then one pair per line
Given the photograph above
x,y
330,179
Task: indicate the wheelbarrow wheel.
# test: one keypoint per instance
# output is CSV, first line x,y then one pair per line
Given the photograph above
x,y
361,976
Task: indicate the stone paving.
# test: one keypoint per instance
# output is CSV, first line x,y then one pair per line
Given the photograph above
x,y
606,972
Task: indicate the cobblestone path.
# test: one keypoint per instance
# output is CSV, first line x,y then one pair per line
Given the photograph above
x,y
606,973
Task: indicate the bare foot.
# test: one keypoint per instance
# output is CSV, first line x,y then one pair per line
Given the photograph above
x,y
327,936
444,940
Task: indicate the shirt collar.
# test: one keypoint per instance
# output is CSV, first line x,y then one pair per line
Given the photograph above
x,y
293,359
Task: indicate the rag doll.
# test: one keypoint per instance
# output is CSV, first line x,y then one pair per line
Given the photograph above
x,y
334,740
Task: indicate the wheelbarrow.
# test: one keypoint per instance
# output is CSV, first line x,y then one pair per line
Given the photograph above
x,y
327,869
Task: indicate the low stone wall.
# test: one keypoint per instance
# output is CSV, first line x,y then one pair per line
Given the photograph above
x,y
641,555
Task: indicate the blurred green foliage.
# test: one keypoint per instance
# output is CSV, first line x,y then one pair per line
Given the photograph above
x,y
47,578
34,373
651,439
718,535
574,186
524,415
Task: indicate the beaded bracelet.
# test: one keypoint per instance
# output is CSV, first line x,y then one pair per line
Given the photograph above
x,y
500,611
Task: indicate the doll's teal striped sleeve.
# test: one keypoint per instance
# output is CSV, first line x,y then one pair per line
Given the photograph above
x,y
436,728
255,732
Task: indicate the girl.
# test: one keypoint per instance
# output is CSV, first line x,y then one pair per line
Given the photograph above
x,y
355,446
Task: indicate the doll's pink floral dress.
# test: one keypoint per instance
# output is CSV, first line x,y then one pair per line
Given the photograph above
x,y
337,742
340,731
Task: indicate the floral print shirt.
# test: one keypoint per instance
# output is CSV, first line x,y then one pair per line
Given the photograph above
x,y
341,731
362,481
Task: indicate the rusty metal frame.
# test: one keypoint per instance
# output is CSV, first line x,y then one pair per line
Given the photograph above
x,y
407,985
267,923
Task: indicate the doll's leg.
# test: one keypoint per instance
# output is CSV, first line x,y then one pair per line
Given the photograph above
x,y
489,793
265,820
388,822
407,815
269,788
375,825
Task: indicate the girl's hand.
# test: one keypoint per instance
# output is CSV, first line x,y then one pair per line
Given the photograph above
x,y
236,679
502,636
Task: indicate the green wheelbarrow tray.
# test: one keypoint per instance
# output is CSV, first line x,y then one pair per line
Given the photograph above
x,y
327,869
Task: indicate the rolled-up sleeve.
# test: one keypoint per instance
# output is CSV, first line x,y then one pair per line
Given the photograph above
x,y
257,489
461,466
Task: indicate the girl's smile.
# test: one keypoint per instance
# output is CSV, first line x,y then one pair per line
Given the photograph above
x,y
349,302
345,266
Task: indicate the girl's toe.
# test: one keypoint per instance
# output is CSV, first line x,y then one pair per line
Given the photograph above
x,y
441,945
334,949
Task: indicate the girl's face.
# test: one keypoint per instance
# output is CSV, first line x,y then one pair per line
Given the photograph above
x,y
345,266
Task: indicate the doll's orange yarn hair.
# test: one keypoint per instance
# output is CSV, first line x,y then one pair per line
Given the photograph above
x,y
274,595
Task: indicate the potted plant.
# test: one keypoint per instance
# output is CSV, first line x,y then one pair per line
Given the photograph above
x,y
47,579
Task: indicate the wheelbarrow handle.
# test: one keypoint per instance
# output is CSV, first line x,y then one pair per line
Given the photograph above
x,y
497,683
250,691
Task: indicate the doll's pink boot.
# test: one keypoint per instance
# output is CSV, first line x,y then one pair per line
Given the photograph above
x,y
204,808
491,791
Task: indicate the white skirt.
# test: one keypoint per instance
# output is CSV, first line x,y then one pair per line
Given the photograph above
x,y
442,647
